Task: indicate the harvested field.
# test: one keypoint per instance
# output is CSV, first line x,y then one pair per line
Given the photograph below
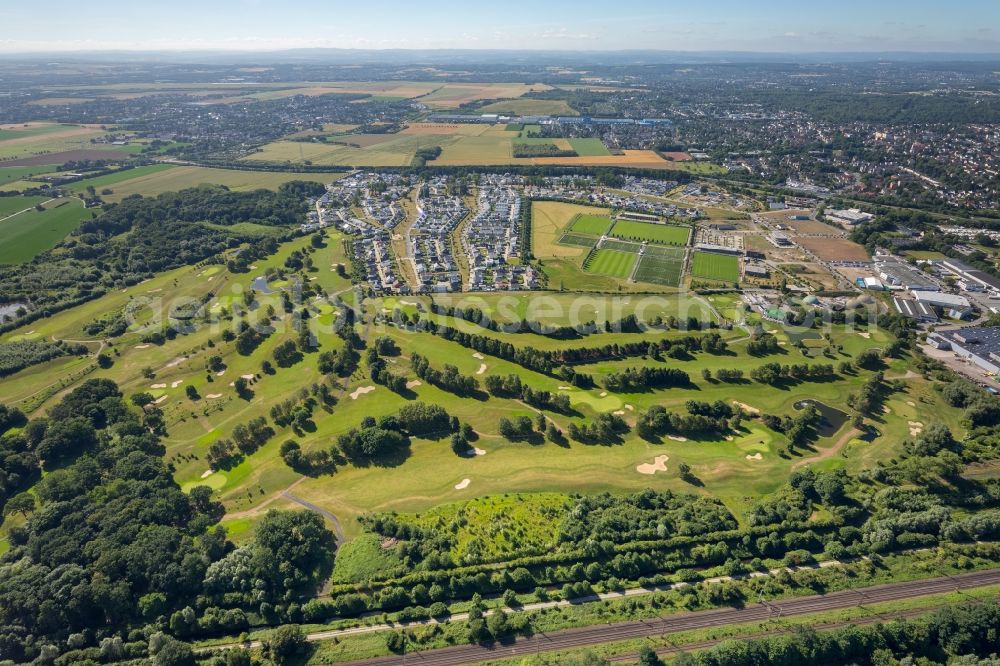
x,y
630,158
834,249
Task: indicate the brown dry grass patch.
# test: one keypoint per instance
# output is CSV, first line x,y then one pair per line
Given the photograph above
x,y
834,249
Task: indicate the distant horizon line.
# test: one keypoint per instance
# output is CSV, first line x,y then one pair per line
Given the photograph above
x,y
313,49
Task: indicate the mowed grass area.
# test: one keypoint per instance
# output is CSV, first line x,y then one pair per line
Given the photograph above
x,y
28,234
594,225
174,178
712,266
667,234
428,474
14,174
563,263
615,263
11,205
661,268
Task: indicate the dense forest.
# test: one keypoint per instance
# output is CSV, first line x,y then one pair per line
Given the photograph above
x,y
115,552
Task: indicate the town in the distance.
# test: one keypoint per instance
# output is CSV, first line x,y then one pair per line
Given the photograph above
x,y
563,357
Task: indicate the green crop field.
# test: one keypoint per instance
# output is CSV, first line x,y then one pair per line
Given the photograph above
x,y
667,234
611,262
711,266
589,147
25,235
594,225
661,268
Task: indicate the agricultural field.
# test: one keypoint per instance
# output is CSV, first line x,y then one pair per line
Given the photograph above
x,y
13,175
616,263
151,181
46,143
666,234
24,235
526,106
711,266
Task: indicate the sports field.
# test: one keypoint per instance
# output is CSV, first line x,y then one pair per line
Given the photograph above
x,y
667,234
711,266
664,267
27,234
578,240
615,263
594,225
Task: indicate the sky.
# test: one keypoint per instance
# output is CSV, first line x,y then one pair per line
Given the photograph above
x,y
970,26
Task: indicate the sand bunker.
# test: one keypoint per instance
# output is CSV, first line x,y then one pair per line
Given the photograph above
x,y
756,456
886,410
478,355
247,377
745,407
865,334
177,383
482,369
630,408
677,438
911,403
476,451
604,394
207,473
220,373
176,361
916,427
619,412
159,400
361,391
414,383
156,386
213,396
565,388
659,464
463,484
142,346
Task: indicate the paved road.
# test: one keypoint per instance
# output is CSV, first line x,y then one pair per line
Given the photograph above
x,y
338,530
595,635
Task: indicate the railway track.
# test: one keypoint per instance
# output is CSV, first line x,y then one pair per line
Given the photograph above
x,y
596,635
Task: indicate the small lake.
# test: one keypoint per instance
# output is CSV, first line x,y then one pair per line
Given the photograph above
x,y
259,285
831,418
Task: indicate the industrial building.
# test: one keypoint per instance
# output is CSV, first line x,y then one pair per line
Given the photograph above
x,y
848,216
897,274
914,310
978,344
